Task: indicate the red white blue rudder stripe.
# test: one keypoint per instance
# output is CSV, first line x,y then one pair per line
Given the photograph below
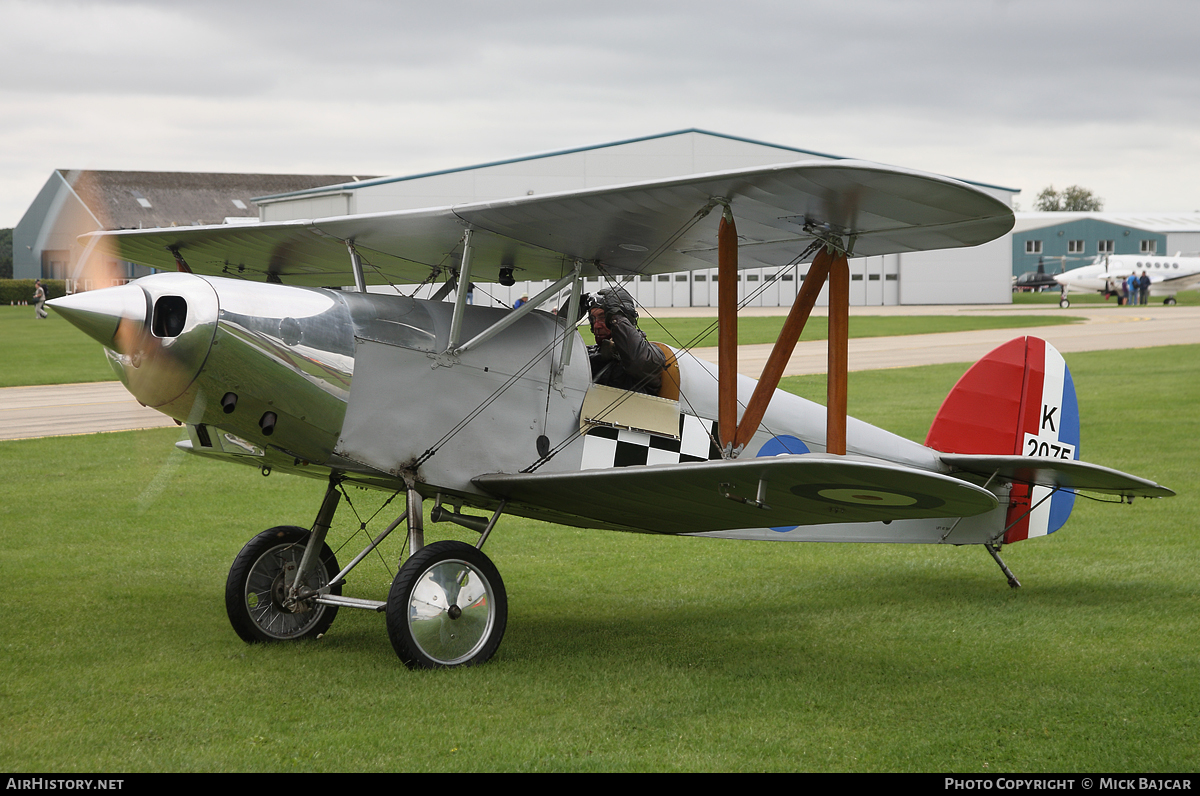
x,y
1019,399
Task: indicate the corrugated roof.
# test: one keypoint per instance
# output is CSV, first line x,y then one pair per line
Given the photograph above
x,y
1151,222
143,199
555,153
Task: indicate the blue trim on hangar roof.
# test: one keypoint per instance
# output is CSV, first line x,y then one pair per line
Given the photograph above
x,y
572,151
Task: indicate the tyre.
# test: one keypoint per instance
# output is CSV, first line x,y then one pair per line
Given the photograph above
x,y
1064,303
254,592
447,607
1169,300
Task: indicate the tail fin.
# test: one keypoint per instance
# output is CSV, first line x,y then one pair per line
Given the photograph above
x,y
1017,400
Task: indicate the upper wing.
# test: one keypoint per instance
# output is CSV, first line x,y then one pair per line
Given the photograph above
x,y
808,489
1063,473
643,228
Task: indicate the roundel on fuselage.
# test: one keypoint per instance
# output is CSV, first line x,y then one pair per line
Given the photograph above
x,y
784,443
778,446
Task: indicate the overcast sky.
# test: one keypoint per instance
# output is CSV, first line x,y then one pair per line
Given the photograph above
x,y
1019,93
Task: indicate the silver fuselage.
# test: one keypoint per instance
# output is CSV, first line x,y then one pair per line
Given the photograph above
x,y
314,380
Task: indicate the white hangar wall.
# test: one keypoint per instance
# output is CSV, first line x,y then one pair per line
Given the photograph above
x,y
1184,242
658,157
963,276
980,275
975,275
689,153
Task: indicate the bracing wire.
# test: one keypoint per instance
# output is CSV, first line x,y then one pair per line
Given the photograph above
x,y
488,401
362,524
684,347
610,279
746,300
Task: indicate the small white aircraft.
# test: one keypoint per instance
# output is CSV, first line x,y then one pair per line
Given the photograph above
x,y
496,410
1168,275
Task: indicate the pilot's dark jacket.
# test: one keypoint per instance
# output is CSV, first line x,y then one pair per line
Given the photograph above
x,y
631,362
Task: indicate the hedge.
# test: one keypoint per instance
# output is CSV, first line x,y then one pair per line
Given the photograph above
x,y
15,291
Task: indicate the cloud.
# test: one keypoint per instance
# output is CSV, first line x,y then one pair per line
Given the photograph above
x,y
1010,91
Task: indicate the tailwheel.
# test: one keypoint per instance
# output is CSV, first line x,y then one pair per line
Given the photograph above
x,y
257,591
447,607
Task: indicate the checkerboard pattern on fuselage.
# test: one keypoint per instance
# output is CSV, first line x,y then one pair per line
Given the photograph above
x,y
605,447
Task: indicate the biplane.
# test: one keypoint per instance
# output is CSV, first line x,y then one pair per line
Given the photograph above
x,y
248,339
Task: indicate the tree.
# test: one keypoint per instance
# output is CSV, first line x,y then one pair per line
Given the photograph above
x,y
1074,197
6,254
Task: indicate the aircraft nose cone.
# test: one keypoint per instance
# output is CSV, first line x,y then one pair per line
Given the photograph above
x,y
99,313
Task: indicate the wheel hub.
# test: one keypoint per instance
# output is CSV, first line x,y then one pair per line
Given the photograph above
x,y
279,594
259,597
447,607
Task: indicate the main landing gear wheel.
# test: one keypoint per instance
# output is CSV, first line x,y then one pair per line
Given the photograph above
x,y
1169,301
447,607
256,588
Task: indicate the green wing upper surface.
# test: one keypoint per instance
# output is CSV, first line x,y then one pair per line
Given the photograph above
x,y
804,489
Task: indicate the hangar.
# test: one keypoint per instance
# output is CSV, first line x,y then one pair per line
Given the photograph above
x,y
73,202
76,201
980,275
1065,240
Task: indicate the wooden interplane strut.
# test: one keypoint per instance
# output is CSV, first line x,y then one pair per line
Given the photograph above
x,y
806,298
727,307
839,344
828,264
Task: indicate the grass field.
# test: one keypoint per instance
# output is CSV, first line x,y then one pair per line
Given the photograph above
x,y
49,351
696,332
623,652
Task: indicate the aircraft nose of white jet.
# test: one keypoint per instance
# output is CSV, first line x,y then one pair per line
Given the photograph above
x,y
99,313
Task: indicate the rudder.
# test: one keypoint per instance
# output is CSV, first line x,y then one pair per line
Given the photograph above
x,y
1017,400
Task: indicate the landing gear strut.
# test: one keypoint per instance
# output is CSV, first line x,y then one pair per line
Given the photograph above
x,y
447,606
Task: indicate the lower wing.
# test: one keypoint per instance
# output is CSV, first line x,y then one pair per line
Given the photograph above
x,y
806,489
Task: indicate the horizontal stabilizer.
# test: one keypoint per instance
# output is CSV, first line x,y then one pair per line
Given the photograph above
x,y
804,489
1056,473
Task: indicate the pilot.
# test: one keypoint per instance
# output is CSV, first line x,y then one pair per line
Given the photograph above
x,y
622,357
